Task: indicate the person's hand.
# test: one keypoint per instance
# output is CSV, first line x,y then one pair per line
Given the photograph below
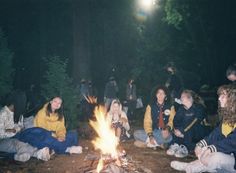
x,y
165,133
123,120
178,133
10,130
152,140
198,150
61,139
204,155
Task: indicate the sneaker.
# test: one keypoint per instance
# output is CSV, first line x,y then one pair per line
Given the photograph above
x,y
180,166
74,150
43,154
181,152
140,144
172,149
22,157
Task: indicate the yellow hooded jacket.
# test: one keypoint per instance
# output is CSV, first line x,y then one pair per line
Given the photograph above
x,y
50,123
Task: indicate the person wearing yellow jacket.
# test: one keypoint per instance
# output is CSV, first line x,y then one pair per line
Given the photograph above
x,y
49,130
158,121
51,118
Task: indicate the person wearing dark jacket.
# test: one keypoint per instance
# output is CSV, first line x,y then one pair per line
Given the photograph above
x,y
188,129
217,152
158,121
110,93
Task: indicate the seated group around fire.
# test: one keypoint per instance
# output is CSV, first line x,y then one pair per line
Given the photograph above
x,y
217,151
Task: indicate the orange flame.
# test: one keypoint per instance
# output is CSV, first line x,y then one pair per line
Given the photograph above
x,y
106,141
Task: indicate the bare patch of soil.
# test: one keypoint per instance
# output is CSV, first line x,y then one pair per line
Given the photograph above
x,y
154,161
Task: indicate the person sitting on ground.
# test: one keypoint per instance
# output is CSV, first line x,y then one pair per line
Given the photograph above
x,y
158,121
217,152
231,73
50,130
8,129
187,124
118,120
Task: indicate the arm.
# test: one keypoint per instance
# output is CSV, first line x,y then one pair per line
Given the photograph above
x,y
171,117
148,121
4,133
61,129
199,116
40,119
124,120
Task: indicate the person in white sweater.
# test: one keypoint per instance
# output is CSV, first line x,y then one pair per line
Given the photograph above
x,y
8,129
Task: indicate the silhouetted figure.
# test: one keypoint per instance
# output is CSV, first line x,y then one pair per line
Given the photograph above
x,y
231,73
131,98
174,82
110,93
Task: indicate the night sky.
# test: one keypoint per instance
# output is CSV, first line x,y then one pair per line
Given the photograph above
x,y
98,35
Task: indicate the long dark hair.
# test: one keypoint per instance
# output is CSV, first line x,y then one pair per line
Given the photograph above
x,y
154,93
59,111
228,113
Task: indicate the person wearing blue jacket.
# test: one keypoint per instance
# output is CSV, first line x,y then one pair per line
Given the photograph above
x,y
188,128
217,152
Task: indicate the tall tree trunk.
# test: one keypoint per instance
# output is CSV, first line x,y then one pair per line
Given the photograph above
x,y
81,36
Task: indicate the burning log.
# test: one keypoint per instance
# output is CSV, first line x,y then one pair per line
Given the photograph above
x,y
112,160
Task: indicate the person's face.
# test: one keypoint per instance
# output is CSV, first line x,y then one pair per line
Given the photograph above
x,y
161,95
56,103
222,99
185,99
232,77
170,70
116,107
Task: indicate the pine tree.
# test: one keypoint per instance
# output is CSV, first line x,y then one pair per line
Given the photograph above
x,y
58,83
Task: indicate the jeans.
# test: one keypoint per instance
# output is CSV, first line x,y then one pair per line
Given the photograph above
x,y
142,136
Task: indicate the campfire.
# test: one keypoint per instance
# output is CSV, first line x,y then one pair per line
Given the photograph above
x,y
106,142
111,158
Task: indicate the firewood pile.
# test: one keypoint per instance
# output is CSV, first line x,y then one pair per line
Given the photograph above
x,y
124,164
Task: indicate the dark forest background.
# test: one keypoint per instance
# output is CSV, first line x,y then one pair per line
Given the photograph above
x,y
99,38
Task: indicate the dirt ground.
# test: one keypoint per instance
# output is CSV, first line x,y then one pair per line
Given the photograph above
x,y
148,161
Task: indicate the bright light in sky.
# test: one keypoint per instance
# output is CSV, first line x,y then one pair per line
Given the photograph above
x,y
146,4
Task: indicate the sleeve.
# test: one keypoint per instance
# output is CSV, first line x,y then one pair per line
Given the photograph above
x,y
178,120
226,145
3,133
199,116
148,121
40,119
125,125
213,136
171,118
61,129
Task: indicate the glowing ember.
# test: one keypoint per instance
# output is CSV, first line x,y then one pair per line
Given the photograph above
x,y
106,141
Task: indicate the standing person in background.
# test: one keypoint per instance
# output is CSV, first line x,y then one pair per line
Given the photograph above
x,y
110,93
8,129
131,98
231,73
217,152
174,82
